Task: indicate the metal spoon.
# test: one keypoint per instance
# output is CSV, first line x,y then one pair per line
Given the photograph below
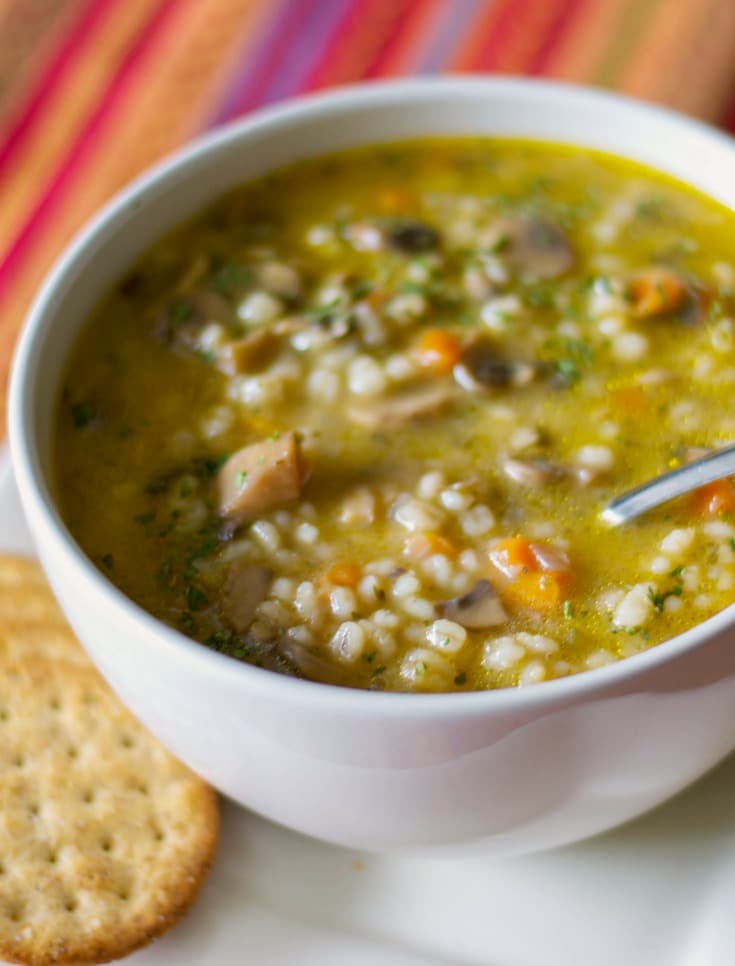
x,y
664,488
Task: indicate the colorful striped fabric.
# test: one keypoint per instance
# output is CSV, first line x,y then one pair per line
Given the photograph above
x,y
92,91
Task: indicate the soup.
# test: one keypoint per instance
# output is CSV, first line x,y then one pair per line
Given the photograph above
x,y
356,422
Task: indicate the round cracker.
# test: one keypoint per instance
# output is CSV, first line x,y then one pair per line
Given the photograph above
x,y
105,838
30,619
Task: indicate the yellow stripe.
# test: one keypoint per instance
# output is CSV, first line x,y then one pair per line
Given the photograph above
x,y
628,34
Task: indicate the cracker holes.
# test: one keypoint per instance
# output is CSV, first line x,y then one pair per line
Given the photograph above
x,y
124,895
106,844
127,742
55,704
18,761
4,714
88,796
2,868
72,753
70,904
14,913
52,858
34,809
158,834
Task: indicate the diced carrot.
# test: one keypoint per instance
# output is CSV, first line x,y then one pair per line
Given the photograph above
x,y
543,592
630,400
419,546
714,499
515,552
438,349
394,198
344,574
656,292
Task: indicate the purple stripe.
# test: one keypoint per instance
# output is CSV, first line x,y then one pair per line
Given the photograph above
x,y
307,49
249,61
447,32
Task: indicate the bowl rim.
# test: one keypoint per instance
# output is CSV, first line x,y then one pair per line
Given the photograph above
x,y
45,520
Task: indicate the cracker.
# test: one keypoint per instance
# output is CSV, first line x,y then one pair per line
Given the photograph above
x,y
30,619
105,838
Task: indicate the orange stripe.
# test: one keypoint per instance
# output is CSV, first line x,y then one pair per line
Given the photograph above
x,y
582,50
227,37
687,62
67,109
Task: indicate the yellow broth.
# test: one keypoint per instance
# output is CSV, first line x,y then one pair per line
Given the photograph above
x,y
593,297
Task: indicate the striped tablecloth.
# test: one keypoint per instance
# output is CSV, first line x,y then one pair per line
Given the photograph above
x,y
92,91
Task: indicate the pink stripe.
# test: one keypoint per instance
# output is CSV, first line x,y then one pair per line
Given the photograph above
x,y
90,18
320,74
292,21
558,27
86,142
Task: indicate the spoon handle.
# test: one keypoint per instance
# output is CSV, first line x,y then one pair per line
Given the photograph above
x,y
664,488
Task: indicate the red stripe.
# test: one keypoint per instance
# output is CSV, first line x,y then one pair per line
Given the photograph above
x,y
403,11
565,16
86,141
278,49
489,54
79,34
351,24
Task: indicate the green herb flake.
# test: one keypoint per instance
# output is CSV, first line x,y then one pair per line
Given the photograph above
x,y
240,478
196,599
179,311
568,608
83,414
461,678
420,669
108,561
369,656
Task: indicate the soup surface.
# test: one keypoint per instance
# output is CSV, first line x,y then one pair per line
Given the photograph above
x,y
356,422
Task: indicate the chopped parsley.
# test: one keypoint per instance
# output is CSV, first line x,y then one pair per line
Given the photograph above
x,y
196,599
461,678
83,414
658,600
568,608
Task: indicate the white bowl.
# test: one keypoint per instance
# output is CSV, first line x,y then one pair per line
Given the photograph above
x,y
512,770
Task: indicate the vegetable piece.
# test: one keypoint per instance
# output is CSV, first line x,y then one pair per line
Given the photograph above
x,y
534,248
344,574
481,369
262,476
438,349
515,555
412,405
533,473
249,354
714,499
419,546
655,292
478,609
630,400
245,586
542,592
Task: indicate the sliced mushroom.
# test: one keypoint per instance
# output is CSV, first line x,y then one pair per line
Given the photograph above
x,y
410,406
532,473
246,585
412,237
478,609
262,476
534,248
481,369
249,354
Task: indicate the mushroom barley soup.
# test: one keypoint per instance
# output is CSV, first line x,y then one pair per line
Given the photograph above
x,y
356,422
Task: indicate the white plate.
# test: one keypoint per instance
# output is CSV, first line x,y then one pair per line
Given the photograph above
x,y
656,893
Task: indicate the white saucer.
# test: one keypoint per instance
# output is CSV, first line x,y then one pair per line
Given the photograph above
x,y
658,892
